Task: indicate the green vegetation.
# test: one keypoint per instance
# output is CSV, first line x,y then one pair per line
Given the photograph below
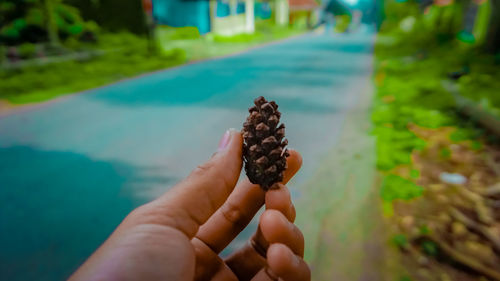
x,y
239,38
265,30
181,33
36,21
118,56
413,57
409,93
483,77
429,155
430,248
125,56
395,187
400,240
210,45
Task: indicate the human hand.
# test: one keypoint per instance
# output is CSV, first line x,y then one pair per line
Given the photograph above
x,y
179,235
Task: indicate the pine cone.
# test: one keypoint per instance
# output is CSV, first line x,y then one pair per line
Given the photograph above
x,y
264,152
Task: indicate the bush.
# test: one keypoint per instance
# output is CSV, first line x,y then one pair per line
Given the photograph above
x,y
3,54
395,187
175,54
185,33
72,43
238,38
25,21
400,240
27,50
39,83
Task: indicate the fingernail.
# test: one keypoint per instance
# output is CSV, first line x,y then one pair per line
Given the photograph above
x,y
224,141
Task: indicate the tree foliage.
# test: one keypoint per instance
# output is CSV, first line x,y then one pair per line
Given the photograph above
x,y
28,21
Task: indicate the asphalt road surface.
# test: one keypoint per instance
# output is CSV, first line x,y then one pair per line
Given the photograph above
x,y
71,169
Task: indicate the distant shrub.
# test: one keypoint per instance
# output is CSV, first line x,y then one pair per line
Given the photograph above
x,y
25,21
75,29
394,147
400,240
238,38
430,248
175,54
185,33
119,40
27,50
3,54
72,43
395,187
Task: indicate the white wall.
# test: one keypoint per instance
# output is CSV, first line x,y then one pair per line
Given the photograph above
x,y
235,23
282,12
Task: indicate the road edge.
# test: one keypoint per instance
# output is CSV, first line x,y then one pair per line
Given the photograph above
x,y
7,108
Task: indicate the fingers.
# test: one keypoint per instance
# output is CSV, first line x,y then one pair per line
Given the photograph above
x,y
283,264
265,274
190,203
286,265
279,199
241,207
246,262
276,228
209,266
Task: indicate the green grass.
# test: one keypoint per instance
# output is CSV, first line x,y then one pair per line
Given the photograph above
x,y
126,56
239,38
409,92
210,46
42,83
482,83
395,187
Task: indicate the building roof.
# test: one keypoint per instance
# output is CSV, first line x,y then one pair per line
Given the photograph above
x,y
302,5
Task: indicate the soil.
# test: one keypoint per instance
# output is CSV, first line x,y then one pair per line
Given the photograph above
x,y
453,230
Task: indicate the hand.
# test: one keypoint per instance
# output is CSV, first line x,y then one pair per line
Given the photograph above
x,y
179,235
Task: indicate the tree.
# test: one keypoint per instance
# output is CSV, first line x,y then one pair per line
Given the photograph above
x,y
50,23
492,43
37,21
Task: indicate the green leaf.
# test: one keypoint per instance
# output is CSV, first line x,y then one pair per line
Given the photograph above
x,y
430,248
400,240
395,187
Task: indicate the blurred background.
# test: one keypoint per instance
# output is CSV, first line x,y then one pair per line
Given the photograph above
x,y
394,105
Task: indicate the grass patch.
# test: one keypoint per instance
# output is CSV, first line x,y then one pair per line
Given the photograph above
x,y
239,38
126,56
395,187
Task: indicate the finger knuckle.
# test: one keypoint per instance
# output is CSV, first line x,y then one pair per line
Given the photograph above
x,y
234,214
211,171
203,169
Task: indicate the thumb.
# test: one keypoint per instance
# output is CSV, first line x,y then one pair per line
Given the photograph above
x,y
190,203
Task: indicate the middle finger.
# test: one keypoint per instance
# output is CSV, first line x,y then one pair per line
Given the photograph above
x,y
239,209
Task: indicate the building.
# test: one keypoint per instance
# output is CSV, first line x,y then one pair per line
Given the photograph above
x,y
224,17
302,8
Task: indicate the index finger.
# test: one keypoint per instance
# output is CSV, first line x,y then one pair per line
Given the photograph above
x,y
190,203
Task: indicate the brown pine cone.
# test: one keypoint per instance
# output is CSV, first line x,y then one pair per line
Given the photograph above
x,y
264,152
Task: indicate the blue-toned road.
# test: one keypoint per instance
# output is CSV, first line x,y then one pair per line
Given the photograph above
x,y
71,169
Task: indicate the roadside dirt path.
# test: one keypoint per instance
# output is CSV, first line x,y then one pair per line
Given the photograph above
x,y
341,216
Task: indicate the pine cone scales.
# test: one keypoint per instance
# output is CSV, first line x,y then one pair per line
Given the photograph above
x,y
264,152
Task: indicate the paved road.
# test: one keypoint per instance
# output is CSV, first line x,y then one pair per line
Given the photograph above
x,y
71,169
